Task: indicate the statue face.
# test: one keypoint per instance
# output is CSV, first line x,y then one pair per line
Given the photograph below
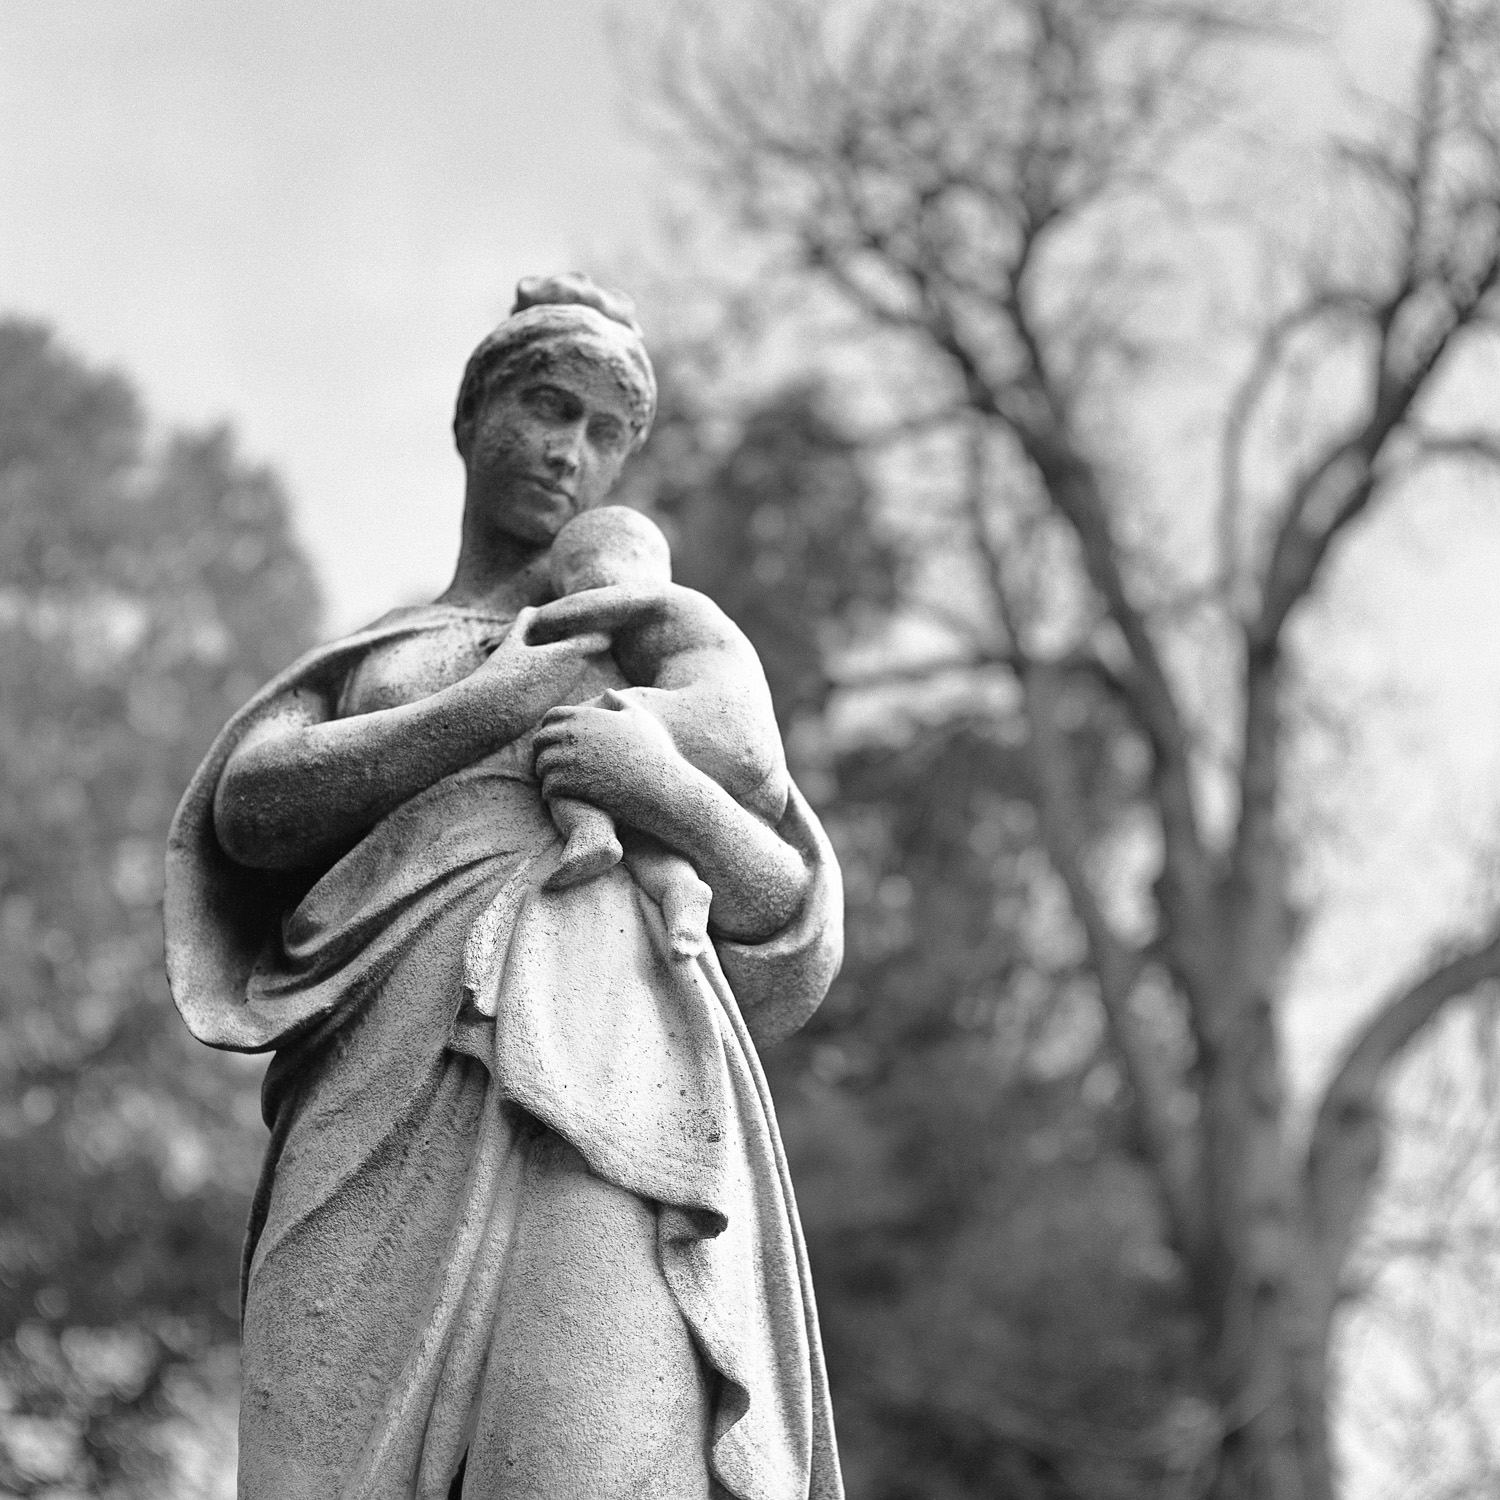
x,y
548,445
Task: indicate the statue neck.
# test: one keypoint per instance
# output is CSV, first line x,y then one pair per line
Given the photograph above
x,y
496,572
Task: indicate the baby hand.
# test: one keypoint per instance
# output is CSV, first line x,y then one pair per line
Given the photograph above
x,y
610,751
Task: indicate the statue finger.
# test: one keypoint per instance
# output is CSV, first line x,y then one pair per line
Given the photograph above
x,y
521,624
590,644
559,779
558,732
558,752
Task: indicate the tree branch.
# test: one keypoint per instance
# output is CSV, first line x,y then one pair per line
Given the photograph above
x,y
1336,489
1484,446
1344,1153
1340,484
1264,366
1116,965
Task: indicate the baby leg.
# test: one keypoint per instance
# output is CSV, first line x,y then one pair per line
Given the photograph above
x,y
591,846
674,885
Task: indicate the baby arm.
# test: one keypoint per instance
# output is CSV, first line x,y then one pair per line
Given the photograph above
x,y
713,731
592,844
624,761
700,678
711,696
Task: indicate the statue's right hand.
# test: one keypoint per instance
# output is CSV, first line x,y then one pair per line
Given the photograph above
x,y
527,680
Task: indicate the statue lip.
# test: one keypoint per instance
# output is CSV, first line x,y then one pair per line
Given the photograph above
x,y
553,488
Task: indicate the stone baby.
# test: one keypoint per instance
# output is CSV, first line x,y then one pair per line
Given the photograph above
x,y
693,670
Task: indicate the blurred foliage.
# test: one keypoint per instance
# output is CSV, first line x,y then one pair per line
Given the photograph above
x,y
778,533
1000,1310
145,592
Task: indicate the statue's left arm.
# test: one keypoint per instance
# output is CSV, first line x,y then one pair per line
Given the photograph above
x,y
778,907
622,759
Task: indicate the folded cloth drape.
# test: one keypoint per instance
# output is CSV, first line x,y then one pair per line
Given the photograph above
x,y
432,1010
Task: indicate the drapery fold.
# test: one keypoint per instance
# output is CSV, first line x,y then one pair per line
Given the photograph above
x,y
432,1008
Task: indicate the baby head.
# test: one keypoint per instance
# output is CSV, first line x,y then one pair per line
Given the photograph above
x,y
609,545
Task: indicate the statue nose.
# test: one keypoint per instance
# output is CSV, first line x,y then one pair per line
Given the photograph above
x,y
564,457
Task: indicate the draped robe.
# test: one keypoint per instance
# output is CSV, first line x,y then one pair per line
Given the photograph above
x,y
524,1217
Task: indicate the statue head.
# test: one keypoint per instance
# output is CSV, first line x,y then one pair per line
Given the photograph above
x,y
557,319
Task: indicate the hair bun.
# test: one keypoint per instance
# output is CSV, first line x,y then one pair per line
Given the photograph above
x,y
573,287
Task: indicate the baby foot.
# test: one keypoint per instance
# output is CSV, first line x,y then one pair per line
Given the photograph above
x,y
586,854
685,905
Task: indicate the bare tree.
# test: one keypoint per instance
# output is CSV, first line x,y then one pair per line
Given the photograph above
x,y
1000,193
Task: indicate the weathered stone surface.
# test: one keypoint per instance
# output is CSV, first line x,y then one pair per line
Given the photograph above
x,y
525,1227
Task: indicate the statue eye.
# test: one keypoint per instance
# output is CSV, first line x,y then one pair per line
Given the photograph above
x,y
550,404
607,432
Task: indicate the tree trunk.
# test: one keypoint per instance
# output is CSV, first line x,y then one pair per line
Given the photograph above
x,y
1274,1397
1261,1282
1267,1344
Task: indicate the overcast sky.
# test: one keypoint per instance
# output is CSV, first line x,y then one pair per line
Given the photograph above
x,y
301,215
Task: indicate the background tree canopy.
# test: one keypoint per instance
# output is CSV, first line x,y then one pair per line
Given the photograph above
x,y
145,591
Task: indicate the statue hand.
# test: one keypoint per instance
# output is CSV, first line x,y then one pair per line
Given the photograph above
x,y
527,680
611,752
606,608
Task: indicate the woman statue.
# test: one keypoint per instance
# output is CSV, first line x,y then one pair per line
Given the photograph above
x,y
524,1228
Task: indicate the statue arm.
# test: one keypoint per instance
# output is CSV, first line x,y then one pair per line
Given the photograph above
x,y
759,881
303,783
620,757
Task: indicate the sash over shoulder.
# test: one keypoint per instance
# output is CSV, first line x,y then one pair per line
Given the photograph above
x,y
220,916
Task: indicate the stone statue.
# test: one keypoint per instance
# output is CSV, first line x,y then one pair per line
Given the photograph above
x,y
514,884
